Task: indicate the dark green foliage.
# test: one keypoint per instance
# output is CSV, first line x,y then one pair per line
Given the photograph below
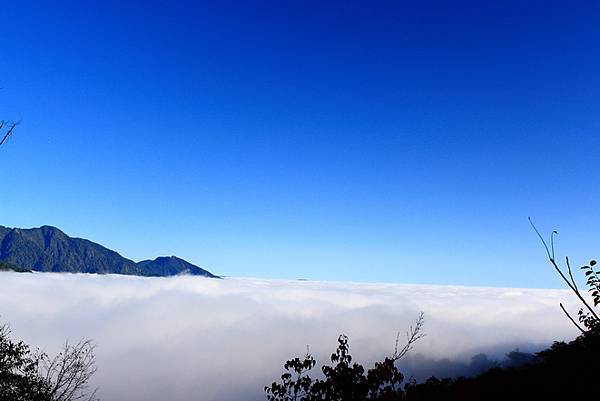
x,y
19,368
48,249
9,267
32,376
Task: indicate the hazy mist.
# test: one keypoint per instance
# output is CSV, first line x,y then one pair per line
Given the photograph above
x,y
191,338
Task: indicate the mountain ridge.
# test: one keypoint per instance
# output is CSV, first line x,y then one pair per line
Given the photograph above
x,y
49,249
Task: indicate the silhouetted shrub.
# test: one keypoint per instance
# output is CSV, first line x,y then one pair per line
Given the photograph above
x,y
19,371
345,380
26,375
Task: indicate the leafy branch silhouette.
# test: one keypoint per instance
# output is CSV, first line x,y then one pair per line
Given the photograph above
x,y
346,380
587,316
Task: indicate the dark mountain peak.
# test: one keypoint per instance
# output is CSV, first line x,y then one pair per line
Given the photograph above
x,y
52,233
44,231
172,265
44,228
48,249
51,229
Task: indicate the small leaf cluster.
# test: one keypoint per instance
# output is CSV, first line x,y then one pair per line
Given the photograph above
x,y
295,384
592,274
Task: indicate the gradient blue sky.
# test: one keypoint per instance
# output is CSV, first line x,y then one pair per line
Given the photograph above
x,y
402,141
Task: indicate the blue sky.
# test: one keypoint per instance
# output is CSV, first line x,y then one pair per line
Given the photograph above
x,y
397,141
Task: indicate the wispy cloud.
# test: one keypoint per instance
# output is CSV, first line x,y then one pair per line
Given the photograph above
x,y
190,338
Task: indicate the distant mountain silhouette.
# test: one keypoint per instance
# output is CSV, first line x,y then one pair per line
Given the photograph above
x,y
48,249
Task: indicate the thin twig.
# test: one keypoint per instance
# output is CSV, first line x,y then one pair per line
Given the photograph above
x,y
571,273
8,133
541,238
412,335
571,319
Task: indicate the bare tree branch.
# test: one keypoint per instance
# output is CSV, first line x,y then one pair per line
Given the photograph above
x,y
8,133
412,336
571,273
70,372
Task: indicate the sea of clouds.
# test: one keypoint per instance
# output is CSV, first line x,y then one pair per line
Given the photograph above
x,y
193,338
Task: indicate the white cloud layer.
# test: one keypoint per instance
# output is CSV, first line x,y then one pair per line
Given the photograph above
x,y
191,338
